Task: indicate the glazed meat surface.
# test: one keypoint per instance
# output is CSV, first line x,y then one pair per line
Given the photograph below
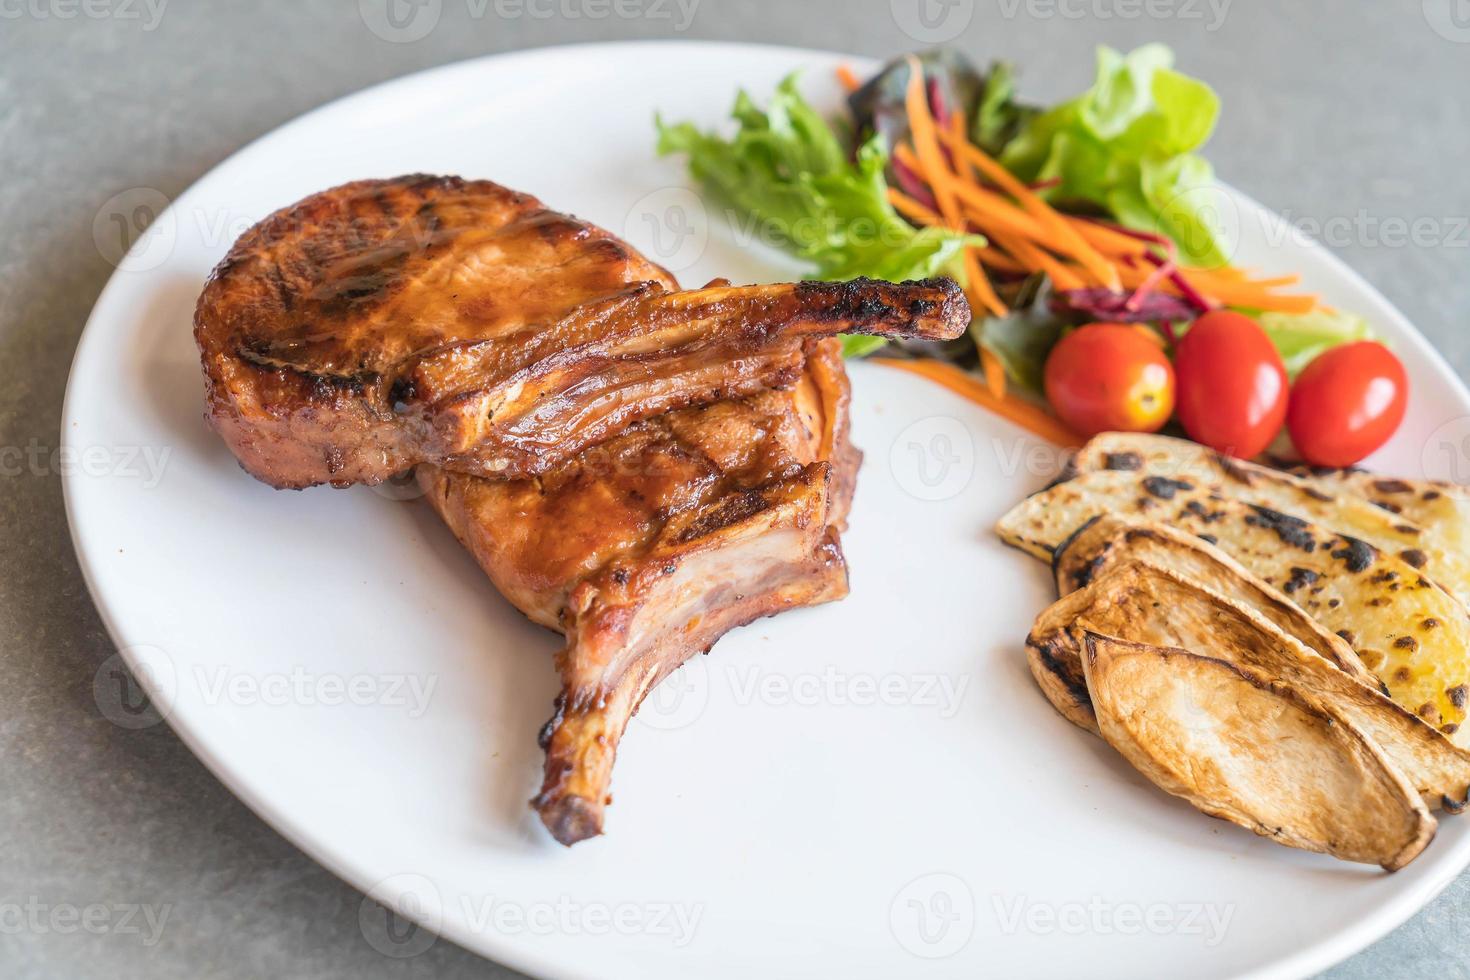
x,y
387,323
645,550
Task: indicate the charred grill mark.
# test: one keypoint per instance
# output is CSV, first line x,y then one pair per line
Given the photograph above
x,y
1163,487
867,302
1458,695
1209,539
1300,578
1123,461
1392,486
1291,530
1357,555
1199,510
1065,670
1406,643
1061,550
1231,467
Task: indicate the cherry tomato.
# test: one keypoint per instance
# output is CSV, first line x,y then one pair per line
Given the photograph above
x,y
1108,377
1232,384
1347,403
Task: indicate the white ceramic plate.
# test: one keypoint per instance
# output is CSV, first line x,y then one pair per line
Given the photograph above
x,y
874,788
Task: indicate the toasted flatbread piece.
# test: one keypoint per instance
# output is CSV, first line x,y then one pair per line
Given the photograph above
x,y
1142,603
1439,552
1253,751
1407,630
1443,509
1105,541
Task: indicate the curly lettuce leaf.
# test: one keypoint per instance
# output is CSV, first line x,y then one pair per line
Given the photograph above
x,y
1127,145
786,168
1300,337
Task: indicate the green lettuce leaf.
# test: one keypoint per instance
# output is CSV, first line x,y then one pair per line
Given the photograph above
x,y
1127,145
1300,337
787,169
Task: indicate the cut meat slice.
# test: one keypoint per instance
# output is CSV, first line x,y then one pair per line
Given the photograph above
x,y
646,549
432,319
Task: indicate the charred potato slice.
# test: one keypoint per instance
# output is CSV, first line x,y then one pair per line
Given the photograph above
x,y
1405,628
1237,745
1136,601
1104,541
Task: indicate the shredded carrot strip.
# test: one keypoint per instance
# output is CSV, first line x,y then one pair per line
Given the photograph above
x,y
978,288
1036,258
1065,239
1229,293
1028,415
912,209
996,259
991,211
1107,240
848,80
928,160
931,163
994,373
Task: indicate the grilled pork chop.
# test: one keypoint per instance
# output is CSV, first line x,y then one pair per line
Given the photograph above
x,y
648,548
386,323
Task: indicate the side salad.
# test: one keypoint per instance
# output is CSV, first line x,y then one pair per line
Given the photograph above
x,y
1085,237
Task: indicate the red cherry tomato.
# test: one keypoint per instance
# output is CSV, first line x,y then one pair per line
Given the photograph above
x,y
1347,403
1108,377
1232,384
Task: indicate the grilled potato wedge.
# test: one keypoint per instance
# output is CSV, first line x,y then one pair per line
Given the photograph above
x,y
1243,747
1439,552
1136,601
1104,541
1406,629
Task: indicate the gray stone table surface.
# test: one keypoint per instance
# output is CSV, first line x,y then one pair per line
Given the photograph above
x,y
1348,116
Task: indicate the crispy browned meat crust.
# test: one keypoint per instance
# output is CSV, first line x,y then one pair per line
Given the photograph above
x,y
432,319
648,548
